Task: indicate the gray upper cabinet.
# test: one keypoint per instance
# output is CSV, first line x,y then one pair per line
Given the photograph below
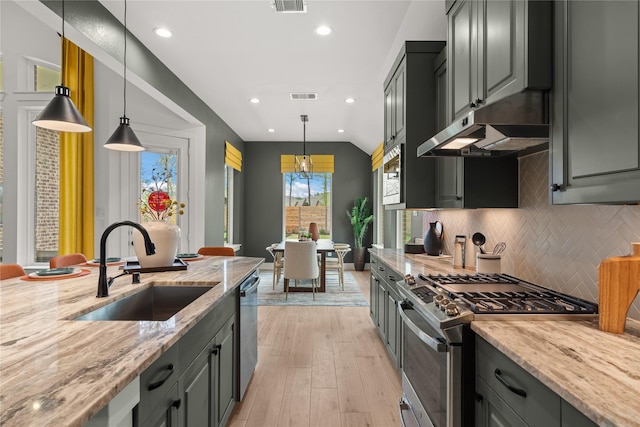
x,y
470,182
410,119
394,111
496,48
595,150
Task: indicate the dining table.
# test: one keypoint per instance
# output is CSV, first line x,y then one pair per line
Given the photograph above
x,y
324,247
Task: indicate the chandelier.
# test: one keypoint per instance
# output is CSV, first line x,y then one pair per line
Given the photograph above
x,y
303,166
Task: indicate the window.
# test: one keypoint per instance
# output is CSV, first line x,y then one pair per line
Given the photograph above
x,y
45,79
307,200
158,180
47,191
228,204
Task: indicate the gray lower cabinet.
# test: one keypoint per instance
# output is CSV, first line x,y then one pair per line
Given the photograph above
x,y
193,383
384,308
507,395
595,144
165,414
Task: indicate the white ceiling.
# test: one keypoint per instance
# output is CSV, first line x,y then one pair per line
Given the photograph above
x,y
230,51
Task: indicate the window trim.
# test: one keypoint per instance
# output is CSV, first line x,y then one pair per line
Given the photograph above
x,y
229,173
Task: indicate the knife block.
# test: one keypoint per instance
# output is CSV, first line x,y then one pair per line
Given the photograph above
x,y
618,285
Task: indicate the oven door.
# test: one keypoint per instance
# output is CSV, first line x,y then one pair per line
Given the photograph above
x,y
429,383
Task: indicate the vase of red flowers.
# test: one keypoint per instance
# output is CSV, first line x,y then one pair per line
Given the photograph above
x,y
158,211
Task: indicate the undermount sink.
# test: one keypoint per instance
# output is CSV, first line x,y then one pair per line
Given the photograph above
x,y
156,303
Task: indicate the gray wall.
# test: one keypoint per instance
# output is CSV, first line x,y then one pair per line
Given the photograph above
x,y
263,196
92,20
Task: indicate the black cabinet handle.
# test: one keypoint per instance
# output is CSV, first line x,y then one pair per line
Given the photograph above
x,y
458,198
165,377
381,268
478,101
176,404
472,105
556,187
518,391
479,397
216,349
392,278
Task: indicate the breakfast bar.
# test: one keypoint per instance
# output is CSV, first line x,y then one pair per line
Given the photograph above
x,y
59,371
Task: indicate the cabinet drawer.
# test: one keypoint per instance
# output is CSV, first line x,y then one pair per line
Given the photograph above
x,y
529,398
157,380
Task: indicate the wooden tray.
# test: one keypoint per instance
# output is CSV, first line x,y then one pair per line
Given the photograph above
x,y
134,267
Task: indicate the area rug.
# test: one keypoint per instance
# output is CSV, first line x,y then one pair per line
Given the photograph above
x,y
334,295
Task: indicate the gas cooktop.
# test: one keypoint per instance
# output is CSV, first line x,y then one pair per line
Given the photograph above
x,y
450,299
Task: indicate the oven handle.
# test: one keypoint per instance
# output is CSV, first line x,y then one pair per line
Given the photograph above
x,y
436,343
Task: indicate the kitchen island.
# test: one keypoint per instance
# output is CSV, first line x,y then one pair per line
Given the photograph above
x,y
594,371
58,371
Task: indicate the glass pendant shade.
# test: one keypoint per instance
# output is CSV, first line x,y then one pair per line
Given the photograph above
x,y
124,139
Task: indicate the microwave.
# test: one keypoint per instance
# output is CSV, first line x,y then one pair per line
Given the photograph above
x,y
392,181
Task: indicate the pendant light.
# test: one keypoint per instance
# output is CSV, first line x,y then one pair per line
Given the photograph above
x,y
303,166
61,113
124,139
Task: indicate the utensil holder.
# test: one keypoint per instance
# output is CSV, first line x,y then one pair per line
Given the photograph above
x,y
488,264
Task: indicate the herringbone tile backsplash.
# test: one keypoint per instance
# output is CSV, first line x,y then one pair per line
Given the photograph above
x,y
559,247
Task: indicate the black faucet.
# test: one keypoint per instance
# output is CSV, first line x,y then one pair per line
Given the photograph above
x,y
103,281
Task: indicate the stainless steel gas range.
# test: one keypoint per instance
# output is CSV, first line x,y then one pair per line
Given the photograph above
x,y
438,345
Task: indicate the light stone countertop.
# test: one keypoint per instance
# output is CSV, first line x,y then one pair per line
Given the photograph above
x,y
60,372
597,372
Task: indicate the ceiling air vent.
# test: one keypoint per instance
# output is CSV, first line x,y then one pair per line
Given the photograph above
x,y
290,6
303,96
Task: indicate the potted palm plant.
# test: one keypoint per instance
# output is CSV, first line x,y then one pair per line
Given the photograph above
x,y
360,216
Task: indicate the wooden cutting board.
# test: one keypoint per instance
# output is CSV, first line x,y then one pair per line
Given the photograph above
x,y
618,285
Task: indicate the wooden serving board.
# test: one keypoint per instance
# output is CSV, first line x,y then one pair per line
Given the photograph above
x,y
618,285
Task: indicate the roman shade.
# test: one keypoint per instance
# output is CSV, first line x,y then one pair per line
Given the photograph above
x,y
232,156
376,157
322,163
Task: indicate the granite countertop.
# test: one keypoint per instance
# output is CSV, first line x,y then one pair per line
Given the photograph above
x,y
595,371
57,371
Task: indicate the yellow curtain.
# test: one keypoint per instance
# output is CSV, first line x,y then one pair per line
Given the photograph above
x,y
376,157
322,163
76,159
232,156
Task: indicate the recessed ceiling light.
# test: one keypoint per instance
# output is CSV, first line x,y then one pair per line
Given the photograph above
x,y
350,100
254,101
340,130
162,32
323,30
271,130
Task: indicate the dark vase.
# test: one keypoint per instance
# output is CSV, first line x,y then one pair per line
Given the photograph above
x,y
433,239
315,233
358,258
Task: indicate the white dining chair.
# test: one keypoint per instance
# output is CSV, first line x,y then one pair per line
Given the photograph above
x,y
337,263
278,263
302,263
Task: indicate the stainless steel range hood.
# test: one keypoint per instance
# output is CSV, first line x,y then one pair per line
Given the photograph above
x,y
513,126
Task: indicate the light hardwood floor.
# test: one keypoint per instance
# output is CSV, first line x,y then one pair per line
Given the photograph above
x,y
320,366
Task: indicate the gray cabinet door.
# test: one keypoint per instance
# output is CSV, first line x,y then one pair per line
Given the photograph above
x,y
382,302
571,417
501,47
400,121
389,97
224,373
373,303
491,411
393,327
166,413
461,57
595,151
195,392
449,177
